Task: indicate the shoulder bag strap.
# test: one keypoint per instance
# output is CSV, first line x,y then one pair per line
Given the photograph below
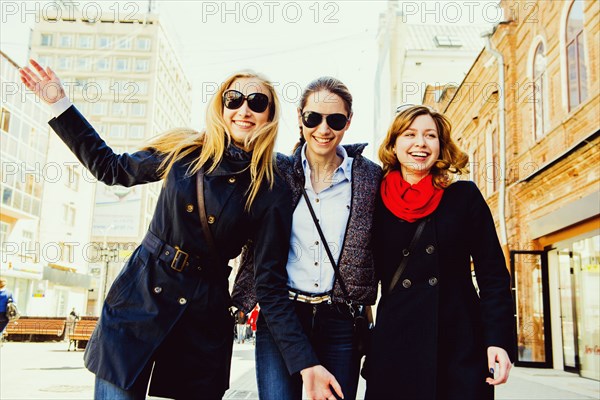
x,y
406,254
333,263
210,241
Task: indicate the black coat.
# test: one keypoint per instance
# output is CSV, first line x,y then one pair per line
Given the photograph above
x,y
152,312
433,330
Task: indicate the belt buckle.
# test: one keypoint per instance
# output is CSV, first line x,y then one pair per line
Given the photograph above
x,y
175,263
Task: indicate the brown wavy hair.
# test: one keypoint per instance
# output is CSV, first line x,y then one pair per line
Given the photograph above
x,y
212,142
452,161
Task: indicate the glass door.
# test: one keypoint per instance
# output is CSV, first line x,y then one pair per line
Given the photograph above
x,y
579,280
529,271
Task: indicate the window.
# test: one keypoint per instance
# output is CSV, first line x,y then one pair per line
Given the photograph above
x,y
142,65
98,108
102,64
86,41
104,42
141,87
142,44
64,62
5,120
28,246
122,64
124,43
539,91
46,40
138,109
117,131
72,177
576,66
84,64
69,214
67,252
447,41
66,41
119,109
136,132
3,234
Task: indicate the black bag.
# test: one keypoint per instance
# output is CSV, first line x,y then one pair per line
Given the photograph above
x,y
363,329
12,312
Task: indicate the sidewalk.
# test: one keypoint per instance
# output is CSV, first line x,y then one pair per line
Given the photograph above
x,y
47,371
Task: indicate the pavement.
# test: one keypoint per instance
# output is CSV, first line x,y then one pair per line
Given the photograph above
x,y
48,371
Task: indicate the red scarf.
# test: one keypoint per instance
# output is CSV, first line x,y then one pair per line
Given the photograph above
x,y
410,202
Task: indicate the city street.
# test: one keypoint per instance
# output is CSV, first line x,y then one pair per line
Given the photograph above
x,y
48,371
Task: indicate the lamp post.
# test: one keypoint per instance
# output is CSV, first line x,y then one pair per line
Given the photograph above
x,y
107,255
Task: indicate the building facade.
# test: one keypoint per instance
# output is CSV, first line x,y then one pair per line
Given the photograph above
x,y
414,56
44,272
123,74
528,115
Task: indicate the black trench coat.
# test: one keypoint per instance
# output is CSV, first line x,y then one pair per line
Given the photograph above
x,y
432,331
152,312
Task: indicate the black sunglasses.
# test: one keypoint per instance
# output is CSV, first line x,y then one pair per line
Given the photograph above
x,y
312,119
257,102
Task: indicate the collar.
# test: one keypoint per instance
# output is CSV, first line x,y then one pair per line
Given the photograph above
x,y
345,167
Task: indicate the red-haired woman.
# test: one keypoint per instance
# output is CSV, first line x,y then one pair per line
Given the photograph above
x,y
435,336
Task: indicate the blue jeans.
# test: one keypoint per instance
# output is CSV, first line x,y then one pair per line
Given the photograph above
x,y
331,333
105,390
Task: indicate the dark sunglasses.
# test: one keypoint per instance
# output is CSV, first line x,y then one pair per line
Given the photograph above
x,y
312,119
257,102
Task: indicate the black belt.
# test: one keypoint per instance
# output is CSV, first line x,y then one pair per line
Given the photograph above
x,y
177,259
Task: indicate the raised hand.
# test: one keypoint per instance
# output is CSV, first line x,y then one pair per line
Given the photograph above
x,y
318,383
44,83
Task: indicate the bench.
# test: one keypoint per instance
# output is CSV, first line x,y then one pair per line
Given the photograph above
x,y
81,332
52,328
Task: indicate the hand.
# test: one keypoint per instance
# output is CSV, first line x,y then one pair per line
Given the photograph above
x,y
500,356
45,84
318,382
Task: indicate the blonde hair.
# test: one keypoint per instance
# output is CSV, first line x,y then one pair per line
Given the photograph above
x,y
178,143
452,160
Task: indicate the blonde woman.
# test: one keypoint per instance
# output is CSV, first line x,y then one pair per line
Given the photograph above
x,y
166,321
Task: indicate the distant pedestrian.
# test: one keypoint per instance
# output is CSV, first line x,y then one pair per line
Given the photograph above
x,y
240,323
5,297
252,322
436,337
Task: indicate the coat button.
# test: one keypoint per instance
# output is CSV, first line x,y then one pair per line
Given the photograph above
x,y
199,268
433,281
157,289
189,208
317,200
405,252
231,179
211,219
167,253
430,249
406,283
182,300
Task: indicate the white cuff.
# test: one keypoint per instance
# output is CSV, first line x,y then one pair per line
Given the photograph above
x,y
60,106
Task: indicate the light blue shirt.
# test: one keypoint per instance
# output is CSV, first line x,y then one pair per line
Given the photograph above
x,y
308,267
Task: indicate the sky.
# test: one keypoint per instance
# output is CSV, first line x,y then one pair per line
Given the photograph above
x,y
290,42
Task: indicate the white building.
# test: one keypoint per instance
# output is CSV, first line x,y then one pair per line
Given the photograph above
x,y
33,227
415,55
122,73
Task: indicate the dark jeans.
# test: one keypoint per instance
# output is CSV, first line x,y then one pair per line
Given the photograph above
x,y
331,333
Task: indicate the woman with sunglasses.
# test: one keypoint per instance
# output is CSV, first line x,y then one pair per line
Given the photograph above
x,y
436,337
340,185
166,319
